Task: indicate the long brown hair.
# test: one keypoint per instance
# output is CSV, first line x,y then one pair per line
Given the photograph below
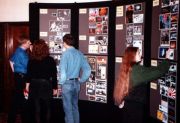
x,y
122,85
40,50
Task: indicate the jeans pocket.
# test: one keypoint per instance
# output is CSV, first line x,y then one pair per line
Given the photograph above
x,y
66,88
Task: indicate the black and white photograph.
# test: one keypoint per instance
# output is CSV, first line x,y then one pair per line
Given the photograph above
x,y
92,62
138,18
173,35
101,99
137,30
101,40
90,88
137,7
64,14
129,29
164,90
165,3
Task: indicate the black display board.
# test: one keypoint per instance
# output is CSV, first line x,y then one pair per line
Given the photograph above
x,y
130,28
103,47
163,92
54,24
93,42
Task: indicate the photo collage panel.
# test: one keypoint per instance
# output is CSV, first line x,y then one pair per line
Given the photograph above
x,y
98,30
54,24
168,26
134,19
96,85
167,91
58,21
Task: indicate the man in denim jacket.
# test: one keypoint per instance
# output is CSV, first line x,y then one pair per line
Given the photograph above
x,y
72,63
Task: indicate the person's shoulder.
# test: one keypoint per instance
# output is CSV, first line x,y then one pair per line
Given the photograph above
x,y
18,49
74,50
81,53
136,67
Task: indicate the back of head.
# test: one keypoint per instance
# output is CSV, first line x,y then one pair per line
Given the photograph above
x,y
40,50
69,39
130,54
23,39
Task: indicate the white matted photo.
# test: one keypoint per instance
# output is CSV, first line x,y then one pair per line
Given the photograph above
x,y
138,18
137,30
138,43
93,49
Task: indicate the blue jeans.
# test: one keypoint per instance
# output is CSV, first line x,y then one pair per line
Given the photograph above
x,y
70,96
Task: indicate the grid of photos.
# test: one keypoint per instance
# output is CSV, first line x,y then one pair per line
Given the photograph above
x,y
134,20
54,24
167,85
98,31
96,85
168,27
95,47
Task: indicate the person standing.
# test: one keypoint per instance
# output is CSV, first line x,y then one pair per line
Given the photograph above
x,y
41,82
72,63
18,64
130,88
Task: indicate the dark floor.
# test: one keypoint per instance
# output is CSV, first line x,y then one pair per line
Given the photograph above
x,y
3,118
90,112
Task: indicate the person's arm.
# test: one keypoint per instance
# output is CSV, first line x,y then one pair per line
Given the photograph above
x,y
27,87
28,76
63,68
86,70
54,76
12,65
141,74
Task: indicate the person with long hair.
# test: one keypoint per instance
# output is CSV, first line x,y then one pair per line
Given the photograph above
x,y
42,81
130,88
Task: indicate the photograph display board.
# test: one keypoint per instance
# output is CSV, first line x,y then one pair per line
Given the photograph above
x,y
164,37
129,30
93,42
54,24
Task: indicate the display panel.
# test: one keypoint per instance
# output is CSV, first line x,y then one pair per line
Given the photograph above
x,y
129,30
164,37
54,24
93,42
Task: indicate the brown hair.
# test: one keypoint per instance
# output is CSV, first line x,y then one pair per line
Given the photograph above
x,y
23,39
68,39
40,50
122,85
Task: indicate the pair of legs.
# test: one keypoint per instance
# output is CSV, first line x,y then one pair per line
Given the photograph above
x,y
18,102
39,111
70,96
40,95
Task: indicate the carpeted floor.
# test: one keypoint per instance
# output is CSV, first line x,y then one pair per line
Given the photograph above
x,y
3,118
